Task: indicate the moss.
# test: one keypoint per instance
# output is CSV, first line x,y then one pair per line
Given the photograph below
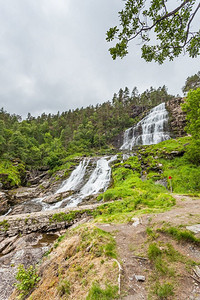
x,y
68,217
4,225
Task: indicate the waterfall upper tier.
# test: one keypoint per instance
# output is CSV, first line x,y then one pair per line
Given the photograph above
x,y
150,130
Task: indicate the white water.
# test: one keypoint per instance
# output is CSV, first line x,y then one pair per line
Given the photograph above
x,y
150,130
75,178
98,182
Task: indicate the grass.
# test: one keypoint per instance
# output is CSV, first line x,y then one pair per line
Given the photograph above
x,y
4,225
99,242
180,234
64,287
98,293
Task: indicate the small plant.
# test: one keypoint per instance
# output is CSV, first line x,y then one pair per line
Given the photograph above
x,y
97,293
64,287
181,235
154,251
164,291
5,225
151,233
27,280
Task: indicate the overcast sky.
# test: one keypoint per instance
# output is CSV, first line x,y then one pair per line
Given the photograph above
x,y
54,57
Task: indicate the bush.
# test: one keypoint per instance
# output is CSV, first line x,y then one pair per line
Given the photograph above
x,y
27,280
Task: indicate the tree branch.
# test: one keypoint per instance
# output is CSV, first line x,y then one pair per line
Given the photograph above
x,y
161,19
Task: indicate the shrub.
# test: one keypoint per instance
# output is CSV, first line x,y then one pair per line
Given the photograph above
x,y
27,280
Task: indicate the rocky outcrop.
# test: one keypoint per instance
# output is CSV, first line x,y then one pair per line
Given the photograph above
x,y
44,221
177,119
27,250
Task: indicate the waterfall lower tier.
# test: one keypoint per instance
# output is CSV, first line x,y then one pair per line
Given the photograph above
x,y
98,181
153,129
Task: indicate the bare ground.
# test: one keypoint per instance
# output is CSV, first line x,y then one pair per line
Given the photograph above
x,y
132,249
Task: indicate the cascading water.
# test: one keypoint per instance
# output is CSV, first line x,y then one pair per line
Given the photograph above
x,y
98,181
75,178
150,130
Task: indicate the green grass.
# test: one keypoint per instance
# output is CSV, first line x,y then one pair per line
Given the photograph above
x,y
4,225
97,293
101,243
180,234
163,291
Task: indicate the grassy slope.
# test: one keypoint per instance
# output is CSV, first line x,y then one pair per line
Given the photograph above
x,y
92,250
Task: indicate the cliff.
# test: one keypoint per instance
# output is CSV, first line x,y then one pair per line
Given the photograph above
x,y
177,120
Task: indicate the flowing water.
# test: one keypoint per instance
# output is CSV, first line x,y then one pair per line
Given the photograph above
x,y
150,130
75,178
97,182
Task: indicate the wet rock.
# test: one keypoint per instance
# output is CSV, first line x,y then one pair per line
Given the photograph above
x,y
22,194
57,197
27,207
4,203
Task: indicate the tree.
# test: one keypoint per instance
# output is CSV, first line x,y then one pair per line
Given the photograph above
x,y
192,108
171,26
192,83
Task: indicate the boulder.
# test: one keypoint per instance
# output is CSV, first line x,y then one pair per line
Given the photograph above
x,y
57,197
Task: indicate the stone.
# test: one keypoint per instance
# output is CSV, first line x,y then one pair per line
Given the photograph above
x,y
194,228
162,182
136,222
140,277
57,197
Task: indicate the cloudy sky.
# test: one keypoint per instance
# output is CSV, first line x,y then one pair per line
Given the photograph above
x,y
54,57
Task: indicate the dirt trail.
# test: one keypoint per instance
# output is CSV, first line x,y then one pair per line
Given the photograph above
x,y
131,245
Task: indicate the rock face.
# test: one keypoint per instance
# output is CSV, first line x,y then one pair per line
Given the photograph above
x,y
26,250
177,117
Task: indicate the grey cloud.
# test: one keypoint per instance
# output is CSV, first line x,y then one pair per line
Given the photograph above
x,y
54,56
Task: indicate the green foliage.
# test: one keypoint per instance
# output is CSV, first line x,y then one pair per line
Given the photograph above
x,y
138,19
154,251
192,153
181,234
27,280
192,83
67,217
192,108
184,174
163,291
12,173
100,243
97,293
4,225
64,287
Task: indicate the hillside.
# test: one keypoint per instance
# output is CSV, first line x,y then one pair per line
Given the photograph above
x,y
147,234
108,223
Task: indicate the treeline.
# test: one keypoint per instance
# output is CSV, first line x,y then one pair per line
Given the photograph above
x,y
48,139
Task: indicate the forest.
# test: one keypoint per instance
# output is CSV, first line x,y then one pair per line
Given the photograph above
x,y
48,140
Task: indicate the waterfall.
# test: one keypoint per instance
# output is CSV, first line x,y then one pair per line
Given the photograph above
x,y
75,178
99,179
150,130
98,182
